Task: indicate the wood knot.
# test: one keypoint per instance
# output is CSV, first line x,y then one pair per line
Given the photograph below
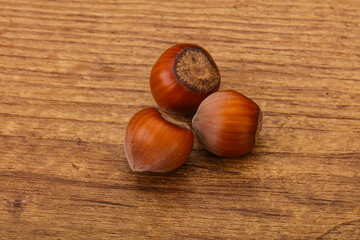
x,y
17,206
17,203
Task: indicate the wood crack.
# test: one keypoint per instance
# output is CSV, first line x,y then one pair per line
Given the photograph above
x,y
108,203
336,228
210,169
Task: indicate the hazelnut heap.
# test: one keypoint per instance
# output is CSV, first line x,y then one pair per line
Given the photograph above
x,y
185,80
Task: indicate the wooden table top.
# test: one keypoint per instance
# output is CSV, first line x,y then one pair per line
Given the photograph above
x,y
73,73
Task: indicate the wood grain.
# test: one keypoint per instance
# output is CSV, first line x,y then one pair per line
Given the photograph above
x,y
72,74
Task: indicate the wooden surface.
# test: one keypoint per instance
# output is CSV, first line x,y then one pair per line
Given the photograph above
x,y
72,74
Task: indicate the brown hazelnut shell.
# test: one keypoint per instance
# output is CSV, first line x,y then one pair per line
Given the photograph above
x,y
227,123
182,77
154,144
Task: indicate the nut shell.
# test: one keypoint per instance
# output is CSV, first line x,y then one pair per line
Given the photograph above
x,y
153,144
176,96
226,123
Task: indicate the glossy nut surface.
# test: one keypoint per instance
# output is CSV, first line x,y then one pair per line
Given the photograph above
x,y
153,144
183,76
226,123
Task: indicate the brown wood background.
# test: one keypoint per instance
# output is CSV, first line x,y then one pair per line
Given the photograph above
x,y
72,74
